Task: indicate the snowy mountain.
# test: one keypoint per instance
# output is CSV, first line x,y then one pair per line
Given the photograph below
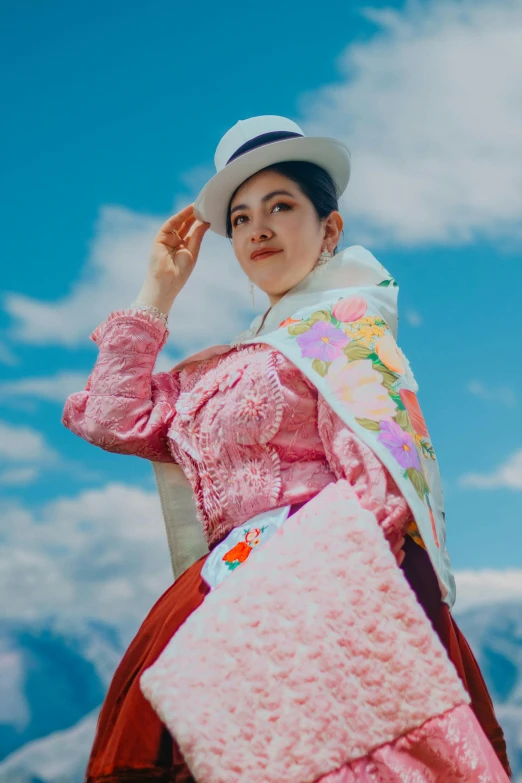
x,y
495,636
52,674
62,671
60,758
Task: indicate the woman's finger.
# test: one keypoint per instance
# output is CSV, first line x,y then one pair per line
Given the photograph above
x,y
183,230
195,238
177,220
179,238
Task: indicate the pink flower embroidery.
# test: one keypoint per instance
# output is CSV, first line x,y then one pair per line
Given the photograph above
x,y
360,389
322,341
400,443
253,406
350,309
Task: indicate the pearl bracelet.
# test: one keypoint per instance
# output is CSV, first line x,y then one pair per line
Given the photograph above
x,y
146,308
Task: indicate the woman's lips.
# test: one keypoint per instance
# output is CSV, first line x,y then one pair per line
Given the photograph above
x,y
265,255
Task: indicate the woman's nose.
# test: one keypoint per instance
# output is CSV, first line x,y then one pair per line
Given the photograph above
x,y
259,233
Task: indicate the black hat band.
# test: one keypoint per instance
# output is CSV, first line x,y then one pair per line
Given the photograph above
x,y
260,141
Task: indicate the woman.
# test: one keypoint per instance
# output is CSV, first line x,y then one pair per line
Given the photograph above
x,y
316,658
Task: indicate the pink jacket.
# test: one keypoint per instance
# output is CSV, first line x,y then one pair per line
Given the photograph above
x,y
247,427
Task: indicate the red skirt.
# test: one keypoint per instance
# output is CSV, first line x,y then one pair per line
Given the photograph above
x,y
131,742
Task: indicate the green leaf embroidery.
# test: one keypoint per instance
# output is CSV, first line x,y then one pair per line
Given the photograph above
x,y
398,402
319,315
385,283
388,377
232,566
355,350
418,481
296,329
403,420
369,424
320,367
427,449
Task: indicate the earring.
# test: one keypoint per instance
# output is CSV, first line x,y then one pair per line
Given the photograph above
x,y
324,257
251,287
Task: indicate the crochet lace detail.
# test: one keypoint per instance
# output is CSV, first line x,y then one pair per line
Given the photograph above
x,y
247,427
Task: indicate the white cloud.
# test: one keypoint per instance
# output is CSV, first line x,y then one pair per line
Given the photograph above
x,y
414,318
24,444
213,306
433,126
102,553
54,388
487,586
6,354
430,107
508,475
25,454
428,119
502,394
18,476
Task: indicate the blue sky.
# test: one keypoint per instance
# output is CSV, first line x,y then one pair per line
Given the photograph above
x,y
115,110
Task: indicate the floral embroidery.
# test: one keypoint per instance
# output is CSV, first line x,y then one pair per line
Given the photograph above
x,y
389,281
388,352
400,443
253,405
413,531
239,553
322,341
367,372
288,322
360,387
411,404
367,328
350,309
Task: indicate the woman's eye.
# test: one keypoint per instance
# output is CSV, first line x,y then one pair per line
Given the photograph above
x,y
236,220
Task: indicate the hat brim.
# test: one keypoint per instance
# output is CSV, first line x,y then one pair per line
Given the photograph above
x,y
212,201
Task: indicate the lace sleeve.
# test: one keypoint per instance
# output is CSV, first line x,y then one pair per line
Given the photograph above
x,y
353,460
125,408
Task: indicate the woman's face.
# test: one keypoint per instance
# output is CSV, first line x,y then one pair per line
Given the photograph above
x,y
270,212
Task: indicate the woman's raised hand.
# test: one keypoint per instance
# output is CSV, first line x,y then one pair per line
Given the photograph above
x,y
172,258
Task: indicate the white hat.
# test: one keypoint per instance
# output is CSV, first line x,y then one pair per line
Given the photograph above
x,y
251,145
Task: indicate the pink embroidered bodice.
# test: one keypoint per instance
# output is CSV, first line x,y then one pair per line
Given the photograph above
x,y
249,430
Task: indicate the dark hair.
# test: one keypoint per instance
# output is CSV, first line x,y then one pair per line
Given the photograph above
x,y
313,181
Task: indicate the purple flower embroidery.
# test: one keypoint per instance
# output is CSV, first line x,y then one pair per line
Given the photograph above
x,y
322,341
400,443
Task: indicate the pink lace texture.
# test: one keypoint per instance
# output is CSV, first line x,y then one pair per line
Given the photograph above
x,y
246,427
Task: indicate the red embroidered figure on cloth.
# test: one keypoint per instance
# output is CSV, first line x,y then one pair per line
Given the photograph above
x,y
239,553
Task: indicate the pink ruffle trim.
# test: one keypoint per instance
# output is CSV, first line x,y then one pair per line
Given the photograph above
x,y
159,330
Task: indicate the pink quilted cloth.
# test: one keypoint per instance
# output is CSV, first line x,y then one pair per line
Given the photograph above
x,y
246,426
325,657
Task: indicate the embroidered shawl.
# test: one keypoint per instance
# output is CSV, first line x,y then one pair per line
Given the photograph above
x,y
339,327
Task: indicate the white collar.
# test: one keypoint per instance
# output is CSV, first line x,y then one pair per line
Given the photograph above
x,y
350,269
